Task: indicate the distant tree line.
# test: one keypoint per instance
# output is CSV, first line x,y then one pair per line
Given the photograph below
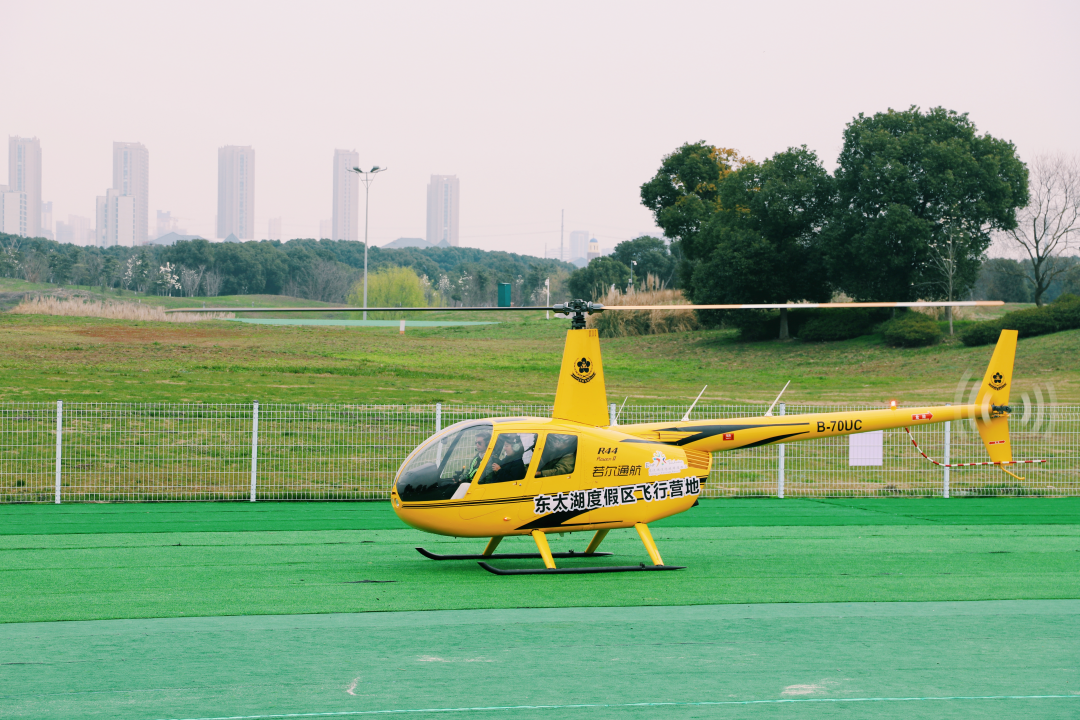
x,y
314,269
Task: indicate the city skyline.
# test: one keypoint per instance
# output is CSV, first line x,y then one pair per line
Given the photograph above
x,y
518,115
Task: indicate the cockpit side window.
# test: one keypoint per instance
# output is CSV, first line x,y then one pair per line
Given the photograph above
x,y
510,458
559,456
435,472
465,453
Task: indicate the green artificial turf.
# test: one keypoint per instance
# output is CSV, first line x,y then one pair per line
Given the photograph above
x,y
132,561
78,518
886,660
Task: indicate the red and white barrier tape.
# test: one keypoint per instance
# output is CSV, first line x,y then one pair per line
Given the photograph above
x,y
1007,462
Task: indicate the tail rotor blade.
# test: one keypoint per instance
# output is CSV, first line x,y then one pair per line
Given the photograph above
x,y
958,396
1026,417
1052,395
1038,410
971,401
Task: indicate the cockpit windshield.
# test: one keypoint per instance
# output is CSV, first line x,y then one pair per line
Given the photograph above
x,y
445,463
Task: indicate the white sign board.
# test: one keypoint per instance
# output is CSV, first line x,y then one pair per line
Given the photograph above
x,y
866,448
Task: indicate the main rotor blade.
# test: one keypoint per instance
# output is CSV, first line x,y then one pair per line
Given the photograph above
x,y
766,306
357,309
811,306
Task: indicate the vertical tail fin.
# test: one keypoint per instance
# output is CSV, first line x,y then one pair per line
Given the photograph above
x,y
581,395
994,425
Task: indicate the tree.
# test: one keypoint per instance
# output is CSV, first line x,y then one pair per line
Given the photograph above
x,y
1001,279
652,257
390,287
592,281
685,194
1049,225
906,181
762,245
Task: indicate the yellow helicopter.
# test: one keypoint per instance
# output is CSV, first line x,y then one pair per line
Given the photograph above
x,y
576,472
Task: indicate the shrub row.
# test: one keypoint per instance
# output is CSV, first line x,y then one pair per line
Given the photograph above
x,y
908,329
1062,314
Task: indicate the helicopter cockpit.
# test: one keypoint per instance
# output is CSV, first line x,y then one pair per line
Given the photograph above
x,y
448,461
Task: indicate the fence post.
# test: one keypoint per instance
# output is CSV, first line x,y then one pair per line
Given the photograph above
x,y
948,437
438,417
59,444
611,415
780,463
254,445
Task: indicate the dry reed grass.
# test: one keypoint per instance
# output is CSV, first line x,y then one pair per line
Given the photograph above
x,y
644,322
115,310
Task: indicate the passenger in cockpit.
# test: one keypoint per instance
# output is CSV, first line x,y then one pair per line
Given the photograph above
x,y
560,452
508,463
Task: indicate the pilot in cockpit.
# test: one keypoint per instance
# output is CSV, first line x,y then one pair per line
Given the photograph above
x,y
469,471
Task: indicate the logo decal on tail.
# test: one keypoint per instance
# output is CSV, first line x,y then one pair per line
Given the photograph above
x,y
583,371
996,381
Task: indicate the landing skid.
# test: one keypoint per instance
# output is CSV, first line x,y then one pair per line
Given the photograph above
x,y
578,571
508,556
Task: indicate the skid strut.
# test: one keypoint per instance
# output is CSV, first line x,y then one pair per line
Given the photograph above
x,y
549,557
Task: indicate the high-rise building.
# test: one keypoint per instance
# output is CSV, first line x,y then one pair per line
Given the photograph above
x,y
236,192
579,244
131,177
46,221
116,219
167,224
274,232
346,196
13,214
76,231
442,210
24,175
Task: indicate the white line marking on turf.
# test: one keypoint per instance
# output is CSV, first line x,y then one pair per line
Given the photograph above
x,y
791,701
352,685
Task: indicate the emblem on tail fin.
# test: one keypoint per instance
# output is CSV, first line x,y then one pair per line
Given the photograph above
x,y
997,383
583,371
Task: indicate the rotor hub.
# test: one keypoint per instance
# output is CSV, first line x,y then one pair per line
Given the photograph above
x,y
577,310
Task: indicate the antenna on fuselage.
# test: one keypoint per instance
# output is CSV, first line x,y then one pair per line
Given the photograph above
x,y
687,415
620,410
768,412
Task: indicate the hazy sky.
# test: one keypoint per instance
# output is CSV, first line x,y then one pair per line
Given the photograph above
x,y
536,107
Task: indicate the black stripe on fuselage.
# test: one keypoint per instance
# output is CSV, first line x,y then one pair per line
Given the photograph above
x,y
766,441
466,503
701,432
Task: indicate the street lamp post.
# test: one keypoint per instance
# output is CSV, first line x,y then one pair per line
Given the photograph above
x,y
366,177
632,264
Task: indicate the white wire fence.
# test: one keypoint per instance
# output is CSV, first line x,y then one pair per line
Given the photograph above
x,y
116,452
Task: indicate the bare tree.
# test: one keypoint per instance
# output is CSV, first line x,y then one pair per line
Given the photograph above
x,y
34,267
190,279
1050,224
328,281
212,282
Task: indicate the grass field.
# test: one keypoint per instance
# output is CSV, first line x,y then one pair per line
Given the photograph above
x,y
794,608
78,359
